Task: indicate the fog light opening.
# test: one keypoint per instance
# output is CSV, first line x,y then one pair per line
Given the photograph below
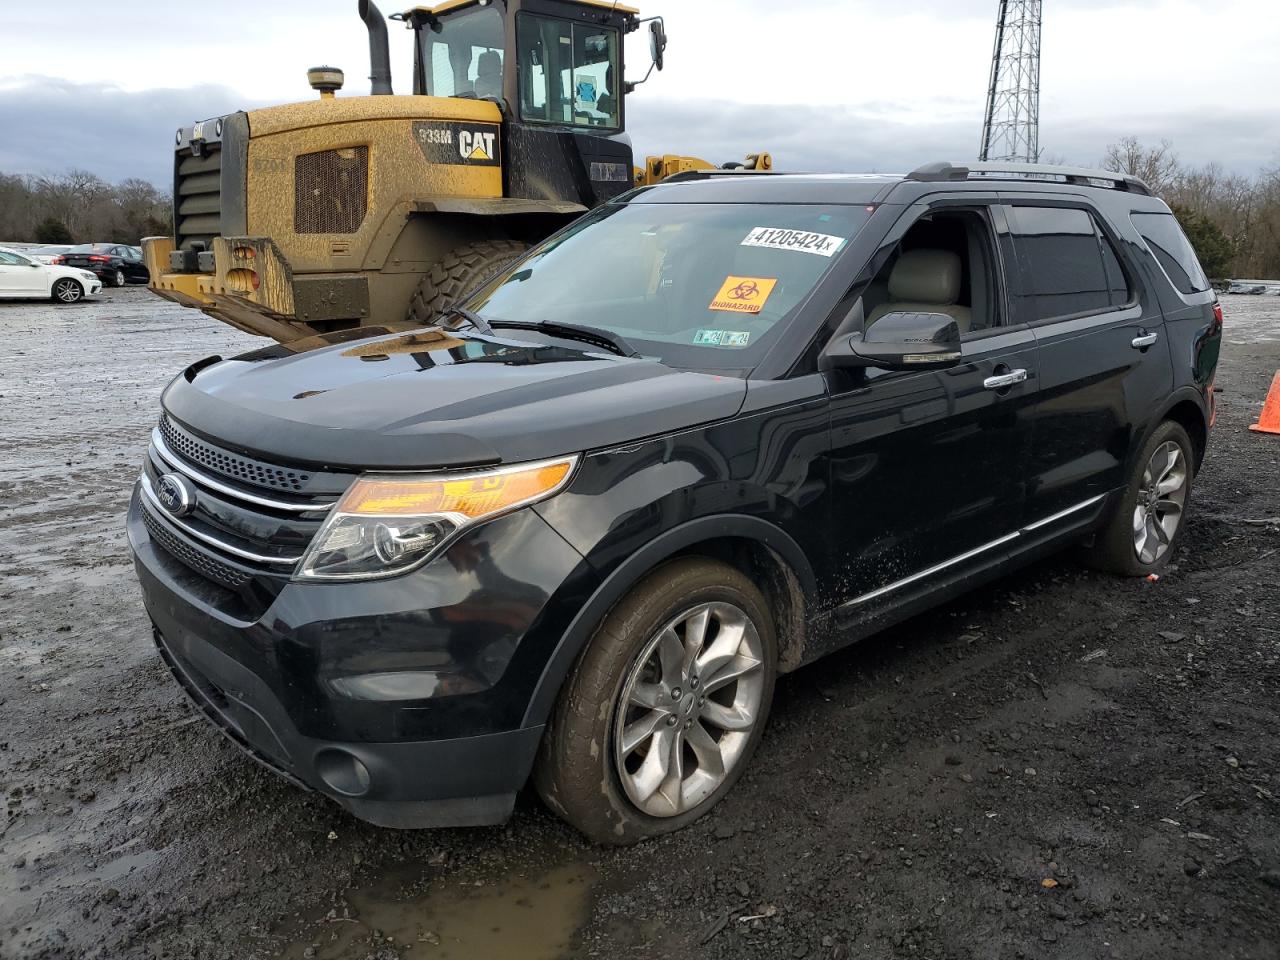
x,y
343,772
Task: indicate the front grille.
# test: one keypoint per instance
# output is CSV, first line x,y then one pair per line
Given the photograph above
x,y
251,521
331,190
199,561
252,472
197,197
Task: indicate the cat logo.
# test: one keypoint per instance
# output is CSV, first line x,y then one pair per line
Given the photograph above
x,y
451,142
476,144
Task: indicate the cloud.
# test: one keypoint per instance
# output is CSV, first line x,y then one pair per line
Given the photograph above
x,y
867,138
48,126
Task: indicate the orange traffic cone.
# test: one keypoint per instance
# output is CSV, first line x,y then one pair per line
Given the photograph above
x,y
1269,422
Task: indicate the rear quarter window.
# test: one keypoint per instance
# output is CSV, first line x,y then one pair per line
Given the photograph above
x,y
1170,246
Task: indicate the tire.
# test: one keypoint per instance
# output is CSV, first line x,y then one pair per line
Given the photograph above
x,y
66,290
117,279
1117,548
458,274
618,684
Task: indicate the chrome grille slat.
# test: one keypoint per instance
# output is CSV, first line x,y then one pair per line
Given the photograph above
x,y
199,561
158,509
176,463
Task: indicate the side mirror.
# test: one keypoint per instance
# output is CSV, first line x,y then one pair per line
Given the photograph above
x,y
657,42
900,341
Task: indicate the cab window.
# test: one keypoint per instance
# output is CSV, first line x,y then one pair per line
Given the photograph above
x,y
569,72
462,54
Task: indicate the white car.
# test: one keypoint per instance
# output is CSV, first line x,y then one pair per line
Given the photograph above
x,y
22,277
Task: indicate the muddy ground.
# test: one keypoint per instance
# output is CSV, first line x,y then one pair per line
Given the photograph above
x,y
1061,765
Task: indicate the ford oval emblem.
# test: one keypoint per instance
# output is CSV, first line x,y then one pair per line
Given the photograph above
x,y
176,494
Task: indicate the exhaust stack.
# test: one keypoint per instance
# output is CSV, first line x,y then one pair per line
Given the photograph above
x,y
379,48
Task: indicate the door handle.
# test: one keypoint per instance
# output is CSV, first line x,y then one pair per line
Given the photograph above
x,y
1144,340
1002,380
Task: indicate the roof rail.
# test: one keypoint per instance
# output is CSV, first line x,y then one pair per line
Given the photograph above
x,y
943,171
711,173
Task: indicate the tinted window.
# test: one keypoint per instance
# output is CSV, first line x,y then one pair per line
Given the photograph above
x,y
569,72
1170,245
1067,269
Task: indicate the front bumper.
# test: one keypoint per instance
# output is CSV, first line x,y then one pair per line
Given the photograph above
x,y
396,698
248,283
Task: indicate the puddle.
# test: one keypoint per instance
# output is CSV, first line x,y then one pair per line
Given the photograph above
x,y
523,917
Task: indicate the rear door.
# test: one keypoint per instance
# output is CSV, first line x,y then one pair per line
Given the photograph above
x,y
1104,358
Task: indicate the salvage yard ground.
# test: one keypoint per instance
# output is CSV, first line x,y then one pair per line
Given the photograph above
x,y
1063,764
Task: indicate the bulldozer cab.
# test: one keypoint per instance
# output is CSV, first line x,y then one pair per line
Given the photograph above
x,y
554,63
555,68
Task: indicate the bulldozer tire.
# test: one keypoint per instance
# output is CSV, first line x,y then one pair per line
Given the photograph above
x,y
457,274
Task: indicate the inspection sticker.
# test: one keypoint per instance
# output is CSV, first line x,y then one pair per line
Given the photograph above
x,y
777,238
743,294
721,338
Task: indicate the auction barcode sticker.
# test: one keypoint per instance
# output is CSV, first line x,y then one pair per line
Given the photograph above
x,y
778,238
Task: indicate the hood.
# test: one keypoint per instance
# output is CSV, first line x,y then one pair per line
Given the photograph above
x,y
428,399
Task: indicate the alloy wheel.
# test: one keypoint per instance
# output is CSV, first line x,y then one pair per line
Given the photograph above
x,y
1162,495
67,291
688,708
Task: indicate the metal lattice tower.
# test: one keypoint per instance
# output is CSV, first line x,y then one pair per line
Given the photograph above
x,y
1012,127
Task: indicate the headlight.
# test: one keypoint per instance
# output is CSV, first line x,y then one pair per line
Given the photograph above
x,y
88,276
390,523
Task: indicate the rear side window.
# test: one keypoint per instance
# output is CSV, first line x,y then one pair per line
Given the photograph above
x,y
1068,266
1172,248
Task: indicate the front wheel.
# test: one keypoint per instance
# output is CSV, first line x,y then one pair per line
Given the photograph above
x,y
665,707
463,270
67,290
1140,536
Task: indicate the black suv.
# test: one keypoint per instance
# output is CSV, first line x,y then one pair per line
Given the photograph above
x,y
708,433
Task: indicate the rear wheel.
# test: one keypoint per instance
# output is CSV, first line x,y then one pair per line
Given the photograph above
x,y
666,706
117,279
459,273
66,290
1140,537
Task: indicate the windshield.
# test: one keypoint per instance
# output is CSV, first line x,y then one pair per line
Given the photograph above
x,y
698,286
462,54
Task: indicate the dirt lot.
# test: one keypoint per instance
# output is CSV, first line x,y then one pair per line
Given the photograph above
x,y
1061,765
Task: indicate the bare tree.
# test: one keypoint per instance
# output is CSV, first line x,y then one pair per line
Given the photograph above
x,y
1157,166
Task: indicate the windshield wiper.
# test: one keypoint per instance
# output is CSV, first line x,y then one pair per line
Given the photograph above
x,y
572,331
473,318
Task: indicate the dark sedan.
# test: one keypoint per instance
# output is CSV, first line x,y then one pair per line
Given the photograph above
x,y
114,263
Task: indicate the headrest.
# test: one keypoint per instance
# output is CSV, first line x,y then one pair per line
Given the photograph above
x,y
926,276
489,64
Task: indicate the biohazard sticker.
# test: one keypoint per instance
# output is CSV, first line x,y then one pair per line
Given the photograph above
x,y
776,238
453,142
721,338
743,294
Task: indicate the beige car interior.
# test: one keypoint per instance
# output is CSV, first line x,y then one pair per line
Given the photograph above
x,y
943,265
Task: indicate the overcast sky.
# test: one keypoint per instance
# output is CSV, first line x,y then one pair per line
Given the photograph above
x,y
823,84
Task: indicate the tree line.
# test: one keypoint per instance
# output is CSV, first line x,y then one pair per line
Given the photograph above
x,y
81,207
1233,221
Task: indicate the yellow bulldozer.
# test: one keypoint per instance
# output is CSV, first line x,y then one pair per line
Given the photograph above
x,y
385,209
